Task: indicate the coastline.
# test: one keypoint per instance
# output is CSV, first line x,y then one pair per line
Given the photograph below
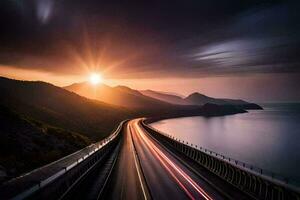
x,y
207,110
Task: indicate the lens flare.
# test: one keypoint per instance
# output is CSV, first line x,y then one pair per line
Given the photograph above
x,y
44,10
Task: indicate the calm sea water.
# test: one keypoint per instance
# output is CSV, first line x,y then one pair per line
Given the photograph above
x,y
269,138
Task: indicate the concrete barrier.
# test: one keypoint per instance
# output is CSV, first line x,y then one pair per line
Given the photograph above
x,y
244,177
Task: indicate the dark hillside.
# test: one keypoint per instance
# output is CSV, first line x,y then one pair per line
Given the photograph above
x,y
26,144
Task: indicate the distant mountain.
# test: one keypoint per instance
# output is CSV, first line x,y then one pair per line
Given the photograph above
x,y
128,90
61,108
119,95
199,99
170,98
147,102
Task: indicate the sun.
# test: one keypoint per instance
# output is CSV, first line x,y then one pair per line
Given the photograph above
x,y
95,78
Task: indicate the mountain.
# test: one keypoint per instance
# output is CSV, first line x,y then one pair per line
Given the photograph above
x,y
149,100
170,98
61,108
147,103
119,95
199,99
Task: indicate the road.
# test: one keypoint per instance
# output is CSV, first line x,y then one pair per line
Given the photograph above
x,y
126,180
145,170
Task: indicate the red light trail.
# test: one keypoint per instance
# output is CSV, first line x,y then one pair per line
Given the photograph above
x,y
170,166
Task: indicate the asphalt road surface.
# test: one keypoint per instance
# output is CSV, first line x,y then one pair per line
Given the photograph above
x,y
146,170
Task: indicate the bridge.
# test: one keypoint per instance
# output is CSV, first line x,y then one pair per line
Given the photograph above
x,y
139,162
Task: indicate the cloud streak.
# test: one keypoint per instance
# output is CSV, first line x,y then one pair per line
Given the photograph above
x,y
189,39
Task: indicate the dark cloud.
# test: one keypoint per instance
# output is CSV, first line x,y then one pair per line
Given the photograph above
x,y
146,38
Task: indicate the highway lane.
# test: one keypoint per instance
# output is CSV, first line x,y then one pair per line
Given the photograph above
x,y
126,180
166,177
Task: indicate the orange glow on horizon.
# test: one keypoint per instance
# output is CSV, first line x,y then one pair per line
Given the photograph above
x,y
247,87
38,75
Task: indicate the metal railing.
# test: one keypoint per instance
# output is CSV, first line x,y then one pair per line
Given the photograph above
x,y
34,181
289,182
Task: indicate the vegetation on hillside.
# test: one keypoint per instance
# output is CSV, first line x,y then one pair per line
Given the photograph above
x,y
26,144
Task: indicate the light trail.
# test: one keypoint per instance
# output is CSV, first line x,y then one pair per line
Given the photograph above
x,y
163,158
168,169
172,174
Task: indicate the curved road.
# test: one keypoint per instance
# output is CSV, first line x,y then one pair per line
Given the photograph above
x,y
146,170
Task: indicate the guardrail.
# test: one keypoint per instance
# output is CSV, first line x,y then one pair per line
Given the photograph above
x,y
242,176
288,182
64,172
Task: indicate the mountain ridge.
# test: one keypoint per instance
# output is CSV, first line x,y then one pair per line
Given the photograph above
x,y
171,98
200,99
119,95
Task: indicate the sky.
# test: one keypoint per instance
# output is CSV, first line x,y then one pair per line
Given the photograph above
x,y
235,49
